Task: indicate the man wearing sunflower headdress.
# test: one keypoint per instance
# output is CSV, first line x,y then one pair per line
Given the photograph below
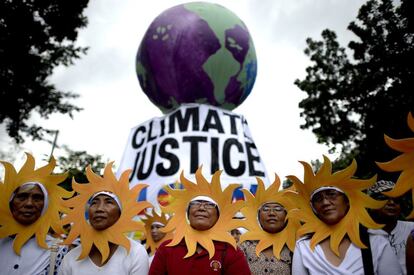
x,y
30,202
110,209
332,207
202,219
271,238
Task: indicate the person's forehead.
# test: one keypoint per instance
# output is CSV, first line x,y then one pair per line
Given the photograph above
x,y
203,198
328,190
29,189
103,197
156,225
271,204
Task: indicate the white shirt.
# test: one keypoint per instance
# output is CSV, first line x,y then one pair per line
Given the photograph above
x,y
32,260
307,262
398,239
136,262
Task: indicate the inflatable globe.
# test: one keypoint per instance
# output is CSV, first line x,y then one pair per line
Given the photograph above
x,y
196,53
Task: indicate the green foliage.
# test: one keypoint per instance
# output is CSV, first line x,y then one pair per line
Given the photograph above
x,y
352,103
75,163
35,37
287,183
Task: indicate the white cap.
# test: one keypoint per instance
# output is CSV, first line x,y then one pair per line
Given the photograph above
x,y
109,194
204,198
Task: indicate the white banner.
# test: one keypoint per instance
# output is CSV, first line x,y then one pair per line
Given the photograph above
x,y
192,135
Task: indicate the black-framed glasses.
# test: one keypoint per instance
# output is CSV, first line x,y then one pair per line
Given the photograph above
x,y
329,195
206,204
268,209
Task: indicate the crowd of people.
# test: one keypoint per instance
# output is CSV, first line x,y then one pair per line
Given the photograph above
x,y
325,224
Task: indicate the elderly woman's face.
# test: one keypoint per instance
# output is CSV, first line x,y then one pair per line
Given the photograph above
x,y
27,204
103,212
272,217
202,215
330,206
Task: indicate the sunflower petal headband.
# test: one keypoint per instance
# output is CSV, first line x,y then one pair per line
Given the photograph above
x,y
49,218
148,221
287,236
358,202
178,208
115,233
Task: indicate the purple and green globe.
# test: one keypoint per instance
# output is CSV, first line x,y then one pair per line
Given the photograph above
x,y
196,53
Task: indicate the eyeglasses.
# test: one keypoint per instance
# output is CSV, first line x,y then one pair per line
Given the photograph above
x,y
330,195
206,204
268,209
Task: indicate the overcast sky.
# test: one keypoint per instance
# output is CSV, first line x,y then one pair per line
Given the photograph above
x,y
113,101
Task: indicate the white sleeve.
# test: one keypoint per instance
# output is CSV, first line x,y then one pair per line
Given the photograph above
x,y
297,264
384,257
140,264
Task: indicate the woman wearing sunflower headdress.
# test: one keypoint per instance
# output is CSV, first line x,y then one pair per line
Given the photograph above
x,y
30,202
110,208
202,219
271,237
154,237
332,207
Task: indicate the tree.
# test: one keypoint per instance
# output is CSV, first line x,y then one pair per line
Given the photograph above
x,y
352,103
35,37
75,163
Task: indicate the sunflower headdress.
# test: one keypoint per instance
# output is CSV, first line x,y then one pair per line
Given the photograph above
x,y
148,221
49,218
255,232
115,233
178,207
403,162
358,202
